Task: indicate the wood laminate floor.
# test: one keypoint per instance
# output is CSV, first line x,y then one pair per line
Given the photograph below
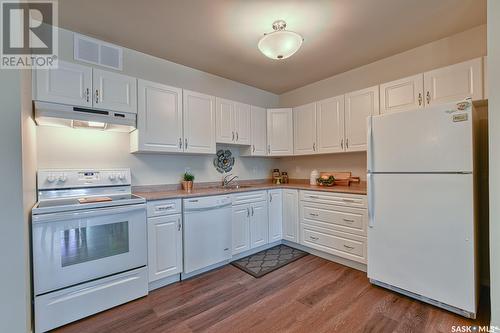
x,y
308,295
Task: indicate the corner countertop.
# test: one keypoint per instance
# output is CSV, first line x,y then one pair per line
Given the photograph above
x,y
161,192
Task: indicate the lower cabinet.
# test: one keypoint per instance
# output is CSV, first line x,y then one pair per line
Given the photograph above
x,y
250,226
275,215
241,229
291,215
164,246
334,223
259,224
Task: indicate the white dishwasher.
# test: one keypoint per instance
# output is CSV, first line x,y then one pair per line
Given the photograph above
x,y
207,232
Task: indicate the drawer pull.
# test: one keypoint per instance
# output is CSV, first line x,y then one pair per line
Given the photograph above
x,y
348,247
348,200
348,220
314,238
313,214
313,197
162,208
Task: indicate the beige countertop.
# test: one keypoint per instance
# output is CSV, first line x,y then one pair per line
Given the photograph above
x,y
159,192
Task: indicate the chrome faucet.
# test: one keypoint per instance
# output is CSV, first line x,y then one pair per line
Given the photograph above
x,y
226,182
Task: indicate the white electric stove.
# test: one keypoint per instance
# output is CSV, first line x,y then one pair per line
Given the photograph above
x,y
89,244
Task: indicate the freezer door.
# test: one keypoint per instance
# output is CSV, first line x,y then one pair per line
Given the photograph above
x,y
421,236
436,139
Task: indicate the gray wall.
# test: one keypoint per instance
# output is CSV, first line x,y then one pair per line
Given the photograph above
x,y
453,49
15,308
494,155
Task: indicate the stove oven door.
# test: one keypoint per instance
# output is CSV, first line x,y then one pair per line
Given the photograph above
x,y
74,247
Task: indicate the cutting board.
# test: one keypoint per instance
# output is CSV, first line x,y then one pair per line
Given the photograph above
x,y
94,200
342,178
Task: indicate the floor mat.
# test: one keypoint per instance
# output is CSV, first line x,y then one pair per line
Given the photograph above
x,y
263,262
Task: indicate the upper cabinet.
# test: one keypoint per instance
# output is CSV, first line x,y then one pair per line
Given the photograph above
x,y
330,125
85,86
114,91
280,132
258,120
232,122
224,120
68,84
199,123
159,119
402,95
358,106
304,129
455,82
242,123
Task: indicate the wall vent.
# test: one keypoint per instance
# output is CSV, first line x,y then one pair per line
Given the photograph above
x,y
97,52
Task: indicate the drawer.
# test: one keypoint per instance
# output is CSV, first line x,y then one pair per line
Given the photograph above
x,y
345,219
247,197
342,199
338,243
164,207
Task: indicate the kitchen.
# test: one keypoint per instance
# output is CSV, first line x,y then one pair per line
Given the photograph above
x,y
164,119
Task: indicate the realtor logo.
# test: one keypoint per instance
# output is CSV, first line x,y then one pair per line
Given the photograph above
x,y
29,34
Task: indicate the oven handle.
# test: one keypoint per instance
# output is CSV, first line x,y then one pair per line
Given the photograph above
x,y
54,217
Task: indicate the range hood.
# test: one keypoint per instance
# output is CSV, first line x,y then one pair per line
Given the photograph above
x,y
61,115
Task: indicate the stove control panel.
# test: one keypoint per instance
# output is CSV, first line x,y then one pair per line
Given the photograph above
x,y
71,178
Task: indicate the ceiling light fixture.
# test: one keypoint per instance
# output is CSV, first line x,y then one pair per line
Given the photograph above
x,y
280,44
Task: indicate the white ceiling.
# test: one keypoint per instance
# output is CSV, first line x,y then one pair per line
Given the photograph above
x,y
220,36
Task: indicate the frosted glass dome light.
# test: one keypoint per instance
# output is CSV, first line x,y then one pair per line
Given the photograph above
x,y
280,44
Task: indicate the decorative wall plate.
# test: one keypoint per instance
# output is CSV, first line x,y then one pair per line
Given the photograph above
x,y
224,161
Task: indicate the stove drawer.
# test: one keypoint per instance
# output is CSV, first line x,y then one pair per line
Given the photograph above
x,y
64,306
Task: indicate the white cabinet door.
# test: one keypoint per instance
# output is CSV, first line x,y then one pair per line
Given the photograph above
x,y
330,125
225,120
199,123
241,229
259,224
454,83
402,95
159,118
68,84
164,246
242,123
114,91
358,106
275,215
291,215
280,132
304,129
259,131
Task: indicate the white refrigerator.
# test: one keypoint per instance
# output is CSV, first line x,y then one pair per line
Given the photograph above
x,y
421,198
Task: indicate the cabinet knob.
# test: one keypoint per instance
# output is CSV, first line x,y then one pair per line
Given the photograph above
x,y
419,99
97,96
180,143
428,97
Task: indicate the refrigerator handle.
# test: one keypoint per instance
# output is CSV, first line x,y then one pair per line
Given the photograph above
x,y
370,200
369,145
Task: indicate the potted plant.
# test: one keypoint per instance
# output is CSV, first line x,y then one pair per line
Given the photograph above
x,y
187,181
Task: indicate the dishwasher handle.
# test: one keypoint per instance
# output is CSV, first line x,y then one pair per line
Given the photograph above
x,y
204,209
